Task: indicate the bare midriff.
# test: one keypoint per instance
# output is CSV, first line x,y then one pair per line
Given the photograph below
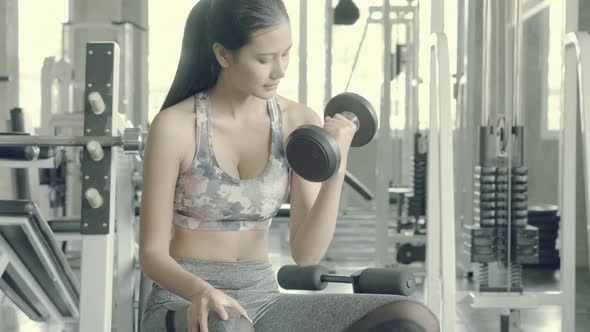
x,y
219,246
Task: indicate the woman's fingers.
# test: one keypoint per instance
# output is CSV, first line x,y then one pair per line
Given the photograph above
x,y
241,310
203,322
192,320
220,309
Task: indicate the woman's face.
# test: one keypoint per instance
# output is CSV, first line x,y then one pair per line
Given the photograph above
x,y
258,67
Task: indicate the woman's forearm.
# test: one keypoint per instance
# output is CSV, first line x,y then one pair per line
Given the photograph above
x,y
167,273
315,233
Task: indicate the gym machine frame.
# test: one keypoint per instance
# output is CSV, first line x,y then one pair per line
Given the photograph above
x,y
408,16
105,195
350,217
440,247
576,70
98,221
565,297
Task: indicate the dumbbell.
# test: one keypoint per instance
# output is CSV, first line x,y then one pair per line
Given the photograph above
x,y
313,154
370,280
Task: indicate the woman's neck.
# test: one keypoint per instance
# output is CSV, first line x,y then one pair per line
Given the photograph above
x,y
229,101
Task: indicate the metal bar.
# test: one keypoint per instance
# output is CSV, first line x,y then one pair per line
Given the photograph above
x,y
4,261
568,173
577,68
407,142
460,70
393,21
437,16
512,121
486,62
45,257
433,289
584,87
303,51
358,186
41,303
533,11
441,196
339,279
20,140
98,224
517,68
124,245
328,55
394,9
384,149
21,176
415,78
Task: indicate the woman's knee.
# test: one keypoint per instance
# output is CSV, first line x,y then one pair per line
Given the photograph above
x,y
398,316
234,322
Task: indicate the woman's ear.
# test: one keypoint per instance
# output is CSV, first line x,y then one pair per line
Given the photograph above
x,y
222,54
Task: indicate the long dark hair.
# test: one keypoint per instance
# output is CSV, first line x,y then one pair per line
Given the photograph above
x,y
228,22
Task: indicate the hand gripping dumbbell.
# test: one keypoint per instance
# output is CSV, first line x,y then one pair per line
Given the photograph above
x,y
370,280
313,154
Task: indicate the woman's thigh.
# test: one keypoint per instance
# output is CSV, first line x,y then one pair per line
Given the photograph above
x,y
322,312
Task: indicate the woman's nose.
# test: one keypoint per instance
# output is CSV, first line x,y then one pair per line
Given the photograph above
x,y
279,69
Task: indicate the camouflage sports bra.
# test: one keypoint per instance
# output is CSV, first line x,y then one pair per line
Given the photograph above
x,y
207,198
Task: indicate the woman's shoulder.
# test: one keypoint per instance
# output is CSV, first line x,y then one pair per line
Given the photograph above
x,y
176,115
296,113
183,108
169,132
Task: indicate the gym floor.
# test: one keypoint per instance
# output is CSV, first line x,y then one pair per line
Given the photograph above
x,y
542,319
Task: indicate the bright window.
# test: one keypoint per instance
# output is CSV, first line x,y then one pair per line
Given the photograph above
x,y
39,29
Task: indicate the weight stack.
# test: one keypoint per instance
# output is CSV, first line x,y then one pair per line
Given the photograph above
x,y
487,240
417,203
546,219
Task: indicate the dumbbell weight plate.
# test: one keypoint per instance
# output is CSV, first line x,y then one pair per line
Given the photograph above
x,y
312,153
359,106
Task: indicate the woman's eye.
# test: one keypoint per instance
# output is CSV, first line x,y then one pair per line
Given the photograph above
x,y
263,61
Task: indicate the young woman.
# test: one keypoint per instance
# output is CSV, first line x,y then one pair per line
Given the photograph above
x,y
215,168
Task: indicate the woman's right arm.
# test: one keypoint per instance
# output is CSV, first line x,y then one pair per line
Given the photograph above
x,y
161,166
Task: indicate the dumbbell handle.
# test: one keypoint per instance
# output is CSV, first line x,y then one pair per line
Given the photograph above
x,y
339,279
350,279
352,117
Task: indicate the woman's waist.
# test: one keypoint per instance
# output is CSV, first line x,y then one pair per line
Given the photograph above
x,y
237,279
219,246
254,273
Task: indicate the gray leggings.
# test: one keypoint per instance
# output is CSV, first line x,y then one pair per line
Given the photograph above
x,y
254,286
